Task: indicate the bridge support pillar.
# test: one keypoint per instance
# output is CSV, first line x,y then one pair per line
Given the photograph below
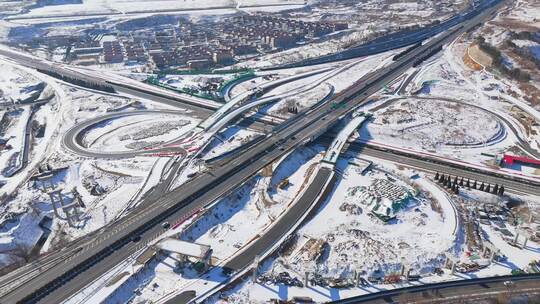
x,y
182,259
526,235
450,262
52,195
255,267
492,249
403,267
207,259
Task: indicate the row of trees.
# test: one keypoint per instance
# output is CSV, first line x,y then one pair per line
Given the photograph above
x,y
499,61
525,52
461,182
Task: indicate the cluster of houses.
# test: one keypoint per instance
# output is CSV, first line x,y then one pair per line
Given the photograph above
x,y
200,45
277,32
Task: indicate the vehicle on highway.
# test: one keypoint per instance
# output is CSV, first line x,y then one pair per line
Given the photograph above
x,y
364,282
165,225
299,299
226,271
508,283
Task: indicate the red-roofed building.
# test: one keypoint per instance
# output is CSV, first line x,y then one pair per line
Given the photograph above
x,y
511,159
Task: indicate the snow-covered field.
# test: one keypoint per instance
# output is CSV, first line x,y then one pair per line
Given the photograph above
x,y
299,102
205,85
15,85
358,241
328,84
19,89
99,7
133,132
229,139
432,124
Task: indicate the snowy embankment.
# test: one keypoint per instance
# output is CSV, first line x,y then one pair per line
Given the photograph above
x,y
449,210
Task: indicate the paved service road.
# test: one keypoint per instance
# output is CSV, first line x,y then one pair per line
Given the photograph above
x,y
430,165
284,224
454,292
73,139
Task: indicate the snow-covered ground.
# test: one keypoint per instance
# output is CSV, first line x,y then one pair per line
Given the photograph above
x,y
298,102
19,88
15,84
229,139
223,227
209,86
134,132
452,110
246,86
107,188
360,241
423,232
194,81
432,125
95,7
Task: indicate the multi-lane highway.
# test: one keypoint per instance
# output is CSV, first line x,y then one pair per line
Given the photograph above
x,y
454,291
392,41
261,245
425,163
73,139
87,259
265,242
112,82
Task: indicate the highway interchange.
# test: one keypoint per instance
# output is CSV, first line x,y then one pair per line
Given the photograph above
x,y
65,272
73,139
